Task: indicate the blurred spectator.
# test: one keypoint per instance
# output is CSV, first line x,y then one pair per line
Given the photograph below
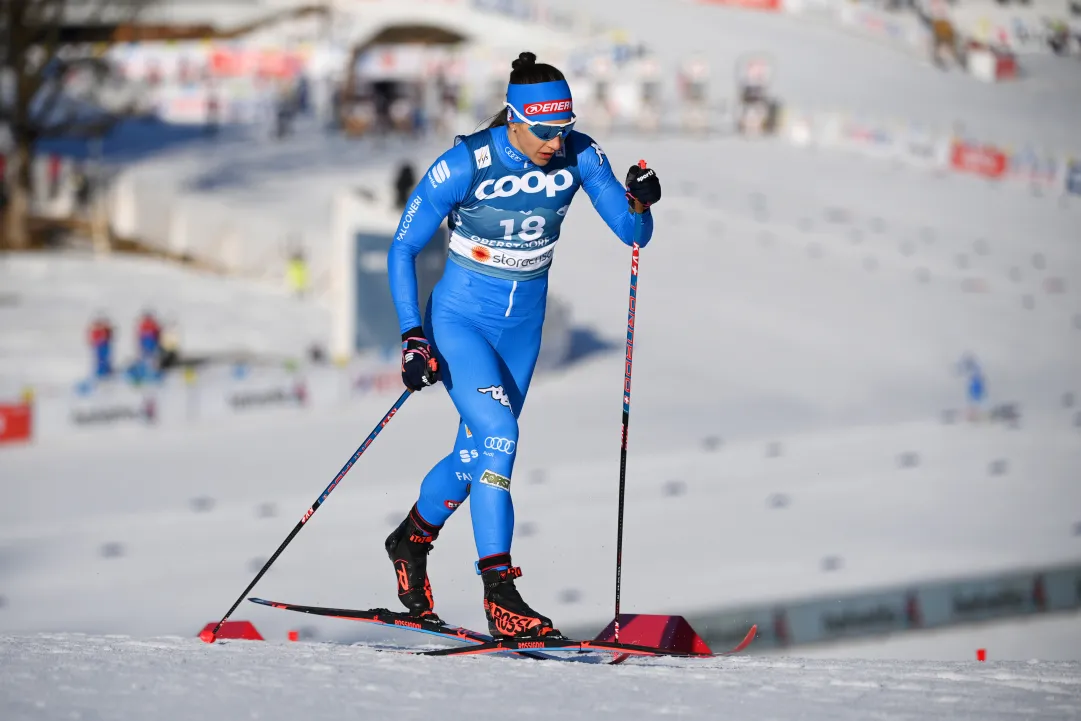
x,y
404,184
3,184
54,176
83,189
977,385
213,112
100,337
148,360
170,346
296,273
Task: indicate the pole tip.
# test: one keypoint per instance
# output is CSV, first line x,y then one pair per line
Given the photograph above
x,y
207,635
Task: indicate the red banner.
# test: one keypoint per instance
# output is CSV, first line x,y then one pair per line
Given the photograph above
x,y
985,160
770,6
15,423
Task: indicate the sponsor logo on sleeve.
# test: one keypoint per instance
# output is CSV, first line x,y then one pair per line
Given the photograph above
x,y
600,153
439,173
407,219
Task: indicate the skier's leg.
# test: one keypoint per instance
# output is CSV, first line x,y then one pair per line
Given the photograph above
x,y
447,485
442,491
474,377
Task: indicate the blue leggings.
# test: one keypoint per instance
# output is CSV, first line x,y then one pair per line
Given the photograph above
x,y
486,333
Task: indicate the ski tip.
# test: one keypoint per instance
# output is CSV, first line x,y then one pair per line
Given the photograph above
x,y
261,601
751,635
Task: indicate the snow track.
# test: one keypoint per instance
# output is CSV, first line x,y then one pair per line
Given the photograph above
x,y
114,677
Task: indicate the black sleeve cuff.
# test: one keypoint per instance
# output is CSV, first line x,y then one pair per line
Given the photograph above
x,y
416,332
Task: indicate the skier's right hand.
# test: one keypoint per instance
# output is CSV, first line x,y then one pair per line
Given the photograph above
x,y
420,369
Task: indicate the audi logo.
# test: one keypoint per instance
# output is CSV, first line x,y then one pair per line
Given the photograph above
x,y
499,444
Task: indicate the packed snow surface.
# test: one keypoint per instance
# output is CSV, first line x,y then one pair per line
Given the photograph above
x,y
69,676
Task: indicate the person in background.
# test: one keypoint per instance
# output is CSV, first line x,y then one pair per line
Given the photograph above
x,y
296,273
170,345
149,334
404,184
977,385
100,337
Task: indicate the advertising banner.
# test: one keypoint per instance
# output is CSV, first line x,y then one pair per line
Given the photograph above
x,y
95,413
771,6
1073,177
985,160
16,423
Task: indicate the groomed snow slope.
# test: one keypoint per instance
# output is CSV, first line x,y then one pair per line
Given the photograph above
x,y
71,676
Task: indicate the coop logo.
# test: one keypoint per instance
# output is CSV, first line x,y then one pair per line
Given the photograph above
x,y
532,182
408,219
549,106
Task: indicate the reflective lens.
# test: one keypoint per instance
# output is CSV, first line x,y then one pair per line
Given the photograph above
x,y
546,132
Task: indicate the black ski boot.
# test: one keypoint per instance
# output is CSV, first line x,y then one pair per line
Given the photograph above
x,y
508,615
408,547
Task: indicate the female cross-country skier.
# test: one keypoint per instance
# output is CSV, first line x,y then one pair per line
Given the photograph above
x,y
506,189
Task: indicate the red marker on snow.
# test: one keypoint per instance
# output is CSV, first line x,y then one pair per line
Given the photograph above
x,y
207,635
981,654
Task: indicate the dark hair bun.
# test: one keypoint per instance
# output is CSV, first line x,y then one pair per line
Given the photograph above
x,y
524,60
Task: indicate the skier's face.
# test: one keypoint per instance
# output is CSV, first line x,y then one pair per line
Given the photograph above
x,y
537,150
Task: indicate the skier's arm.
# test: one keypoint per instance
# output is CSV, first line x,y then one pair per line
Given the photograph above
x,y
442,188
607,193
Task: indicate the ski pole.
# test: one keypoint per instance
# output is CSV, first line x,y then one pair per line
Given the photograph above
x,y
627,406
209,636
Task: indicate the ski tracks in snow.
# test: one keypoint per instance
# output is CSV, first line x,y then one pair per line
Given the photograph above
x,y
73,676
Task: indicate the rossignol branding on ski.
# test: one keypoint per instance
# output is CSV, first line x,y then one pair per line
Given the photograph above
x,y
482,643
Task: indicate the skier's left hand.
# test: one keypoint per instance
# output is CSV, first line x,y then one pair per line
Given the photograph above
x,y
643,188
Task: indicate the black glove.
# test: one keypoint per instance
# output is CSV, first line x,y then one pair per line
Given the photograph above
x,y
420,369
643,185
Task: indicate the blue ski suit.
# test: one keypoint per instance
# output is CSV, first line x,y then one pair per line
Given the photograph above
x,y
485,314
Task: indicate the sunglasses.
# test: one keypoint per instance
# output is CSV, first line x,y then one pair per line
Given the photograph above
x,y
545,131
